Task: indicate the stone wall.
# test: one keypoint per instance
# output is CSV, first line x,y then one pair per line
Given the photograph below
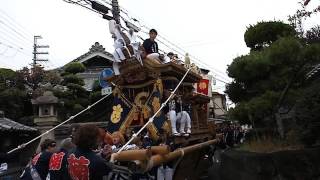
x,y
284,165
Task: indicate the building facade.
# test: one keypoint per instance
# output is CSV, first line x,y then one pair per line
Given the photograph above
x,y
95,61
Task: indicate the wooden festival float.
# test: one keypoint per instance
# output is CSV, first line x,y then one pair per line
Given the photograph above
x,y
139,87
139,93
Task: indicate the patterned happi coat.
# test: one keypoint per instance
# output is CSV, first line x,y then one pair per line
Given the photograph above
x,y
86,165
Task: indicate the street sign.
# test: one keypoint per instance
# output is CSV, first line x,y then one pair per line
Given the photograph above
x,y
106,91
108,72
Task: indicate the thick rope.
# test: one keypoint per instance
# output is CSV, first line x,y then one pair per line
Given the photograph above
x,y
72,117
152,118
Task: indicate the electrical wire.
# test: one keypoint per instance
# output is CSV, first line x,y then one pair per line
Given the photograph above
x,y
12,40
14,30
71,118
18,49
180,51
18,25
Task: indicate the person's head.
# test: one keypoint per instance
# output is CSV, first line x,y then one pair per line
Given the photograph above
x,y
153,34
87,137
117,138
170,55
67,144
73,130
48,145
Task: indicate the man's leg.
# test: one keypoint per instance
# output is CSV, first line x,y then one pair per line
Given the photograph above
x,y
173,120
182,117
160,173
154,57
188,121
168,173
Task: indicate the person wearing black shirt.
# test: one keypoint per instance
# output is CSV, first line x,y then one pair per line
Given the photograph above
x,y
39,165
151,49
83,163
150,45
58,162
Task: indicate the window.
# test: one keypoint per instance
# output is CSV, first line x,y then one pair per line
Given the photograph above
x,y
45,110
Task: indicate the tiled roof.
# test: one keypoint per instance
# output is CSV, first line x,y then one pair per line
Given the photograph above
x,y
97,47
47,98
9,125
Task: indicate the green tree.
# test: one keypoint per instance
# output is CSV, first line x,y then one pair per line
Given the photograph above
x,y
74,68
31,77
12,102
7,78
52,77
264,33
268,80
307,114
76,98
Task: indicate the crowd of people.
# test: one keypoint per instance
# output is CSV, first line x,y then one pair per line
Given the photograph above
x,y
233,134
86,153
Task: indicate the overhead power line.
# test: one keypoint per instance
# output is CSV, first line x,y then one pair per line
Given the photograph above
x,y
14,30
15,23
13,37
14,42
178,49
18,49
161,39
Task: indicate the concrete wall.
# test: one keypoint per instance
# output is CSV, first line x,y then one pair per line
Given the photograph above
x,y
284,165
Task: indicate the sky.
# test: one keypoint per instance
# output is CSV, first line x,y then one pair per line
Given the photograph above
x,y
211,31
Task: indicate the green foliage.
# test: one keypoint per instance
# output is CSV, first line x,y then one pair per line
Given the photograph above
x,y
76,97
236,92
263,34
262,76
12,102
77,108
7,77
77,90
7,74
240,113
52,77
74,68
74,79
95,96
96,86
31,77
313,35
307,114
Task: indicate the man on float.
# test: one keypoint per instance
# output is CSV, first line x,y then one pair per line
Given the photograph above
x,y
176,114
151,48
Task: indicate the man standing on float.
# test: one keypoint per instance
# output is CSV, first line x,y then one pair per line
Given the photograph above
x,y
151,46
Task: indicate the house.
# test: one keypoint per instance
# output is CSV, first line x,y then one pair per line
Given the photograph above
x,y
13,134
95,60
218,106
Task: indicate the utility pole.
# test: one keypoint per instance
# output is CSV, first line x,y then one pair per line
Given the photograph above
x,y
35,51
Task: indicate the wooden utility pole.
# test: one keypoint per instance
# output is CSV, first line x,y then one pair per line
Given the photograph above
x,y
35,51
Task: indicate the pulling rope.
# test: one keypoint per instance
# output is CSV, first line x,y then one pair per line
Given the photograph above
x,y
152,118
72,117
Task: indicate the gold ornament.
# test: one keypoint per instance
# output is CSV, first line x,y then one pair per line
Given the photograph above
x,y
202,85
116,114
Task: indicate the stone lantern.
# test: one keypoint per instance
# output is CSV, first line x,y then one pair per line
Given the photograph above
x,y
46,112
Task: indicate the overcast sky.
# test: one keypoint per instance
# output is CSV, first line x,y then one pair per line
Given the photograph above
x,y
210,30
